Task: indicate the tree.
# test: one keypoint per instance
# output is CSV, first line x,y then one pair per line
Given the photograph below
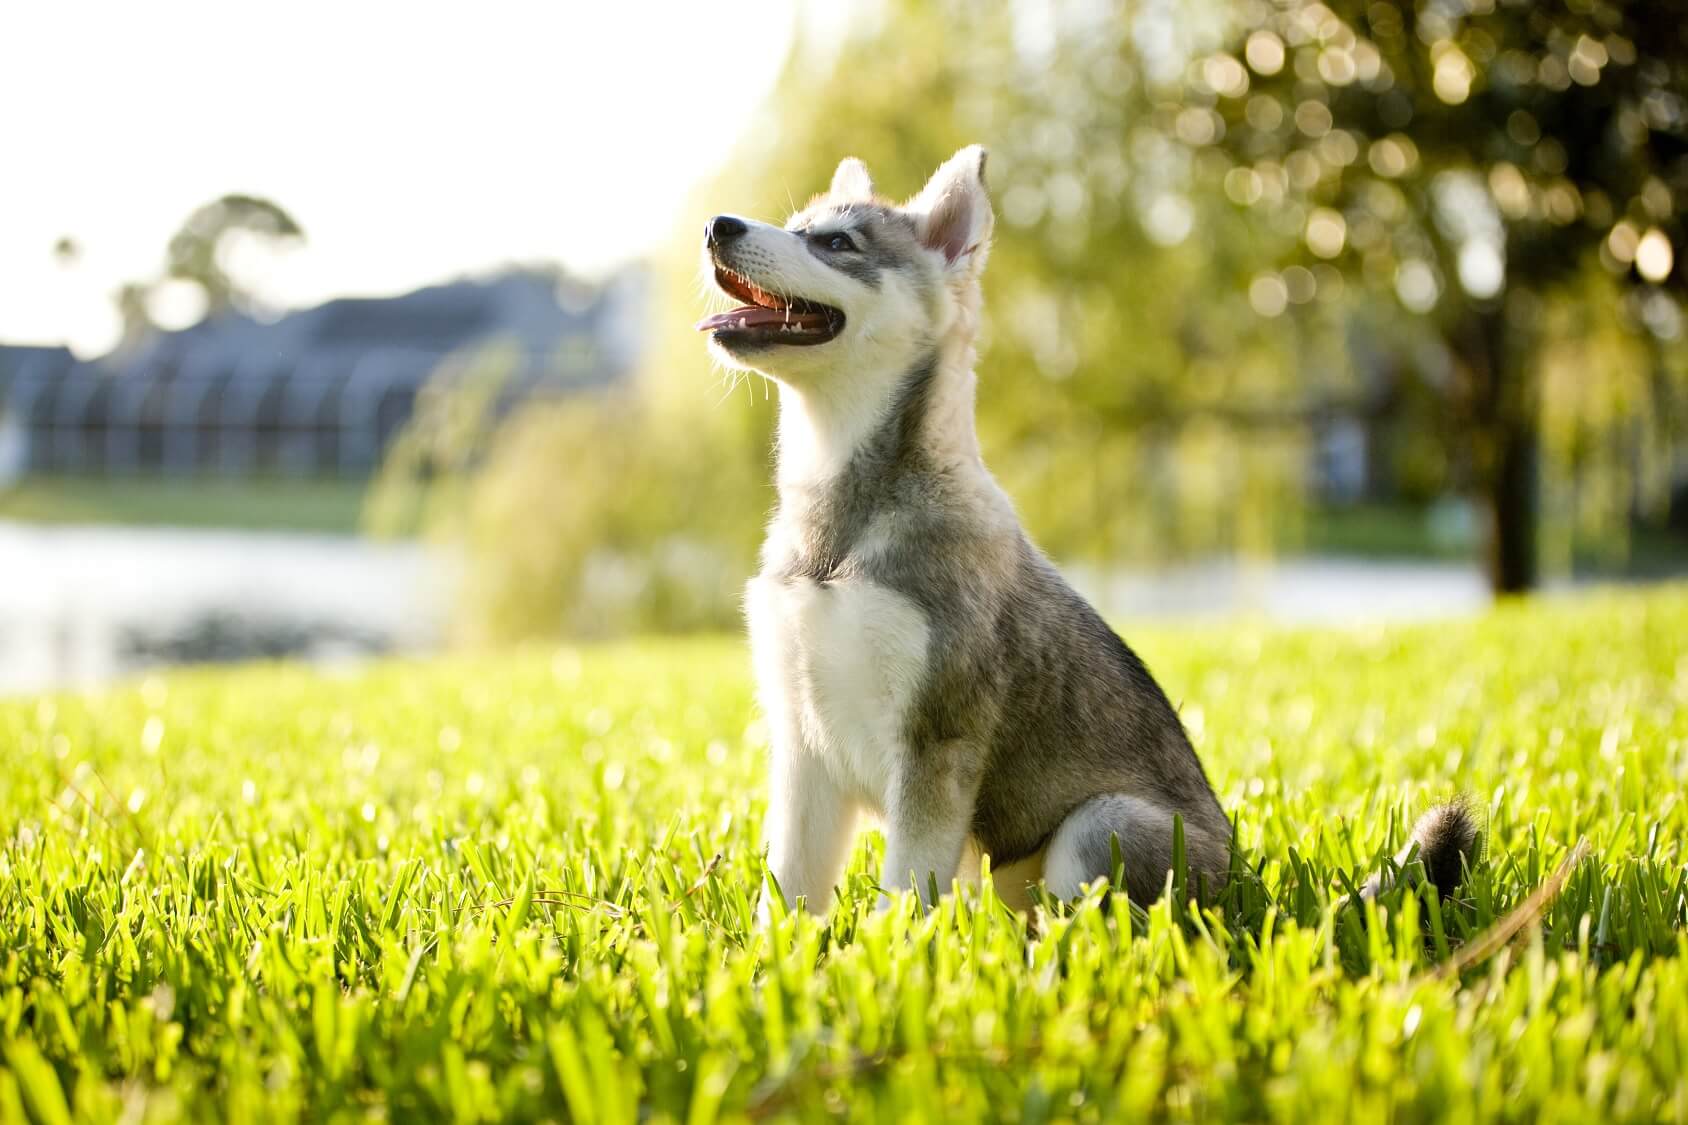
x,y
198,254
198,250
1475,158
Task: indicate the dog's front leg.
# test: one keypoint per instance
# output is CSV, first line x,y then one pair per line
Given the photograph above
x,y
927,822
808,829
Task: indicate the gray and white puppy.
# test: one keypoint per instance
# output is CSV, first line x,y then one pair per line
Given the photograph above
x,y
916,655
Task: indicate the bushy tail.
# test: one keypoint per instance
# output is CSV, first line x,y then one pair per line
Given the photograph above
x,y
1447,840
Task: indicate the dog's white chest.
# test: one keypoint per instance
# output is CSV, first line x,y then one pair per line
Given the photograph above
x,y
838,665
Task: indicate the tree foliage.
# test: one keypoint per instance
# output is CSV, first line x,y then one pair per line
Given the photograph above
x,y
199,254
198,251
1476,159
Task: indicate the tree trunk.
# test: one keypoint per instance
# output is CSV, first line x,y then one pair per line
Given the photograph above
x,y
1511,488
1504,444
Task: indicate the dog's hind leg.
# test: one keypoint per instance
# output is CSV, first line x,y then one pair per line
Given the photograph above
x,y
1082,848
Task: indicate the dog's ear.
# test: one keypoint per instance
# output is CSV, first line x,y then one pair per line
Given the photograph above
x,y
851,181
953,210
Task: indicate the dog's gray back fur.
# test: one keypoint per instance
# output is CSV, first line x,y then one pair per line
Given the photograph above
x,y
1020,666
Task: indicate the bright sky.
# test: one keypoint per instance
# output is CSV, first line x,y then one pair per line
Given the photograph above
x,y
413,142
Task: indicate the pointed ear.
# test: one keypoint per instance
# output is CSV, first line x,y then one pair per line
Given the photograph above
x,y
851,181
953,210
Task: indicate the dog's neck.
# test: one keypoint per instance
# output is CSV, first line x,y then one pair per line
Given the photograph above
x,y
888,460
822,428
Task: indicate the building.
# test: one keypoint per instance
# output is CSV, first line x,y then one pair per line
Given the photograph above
x,y
318,391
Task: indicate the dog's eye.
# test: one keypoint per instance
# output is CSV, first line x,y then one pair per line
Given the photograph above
x,y
838,243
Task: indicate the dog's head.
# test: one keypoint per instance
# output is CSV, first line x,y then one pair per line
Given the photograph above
x,y
852,282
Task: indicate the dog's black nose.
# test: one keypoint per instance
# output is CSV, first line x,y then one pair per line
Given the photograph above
x,y
722,229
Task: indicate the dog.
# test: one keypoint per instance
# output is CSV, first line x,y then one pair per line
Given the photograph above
x,y
915,655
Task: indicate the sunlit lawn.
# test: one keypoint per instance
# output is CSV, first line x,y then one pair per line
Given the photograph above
x,y
522,885
329,505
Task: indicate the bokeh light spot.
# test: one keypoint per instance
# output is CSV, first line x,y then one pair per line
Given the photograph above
x,y
1416,286
1654,256
1482,271
1268,294
1326,232
1265,52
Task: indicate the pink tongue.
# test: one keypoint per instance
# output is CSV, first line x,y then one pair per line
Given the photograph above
x,y
752,316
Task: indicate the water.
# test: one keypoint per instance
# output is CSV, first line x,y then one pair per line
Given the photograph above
x,y
84,605
1312,590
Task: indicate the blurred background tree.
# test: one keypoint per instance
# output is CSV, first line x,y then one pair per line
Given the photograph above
x,y
200,250
1221,229
1480,160
201,276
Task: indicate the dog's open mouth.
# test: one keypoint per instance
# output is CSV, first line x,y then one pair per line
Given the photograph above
x,y
766,318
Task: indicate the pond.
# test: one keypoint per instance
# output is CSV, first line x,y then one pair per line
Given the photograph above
x,y
83,605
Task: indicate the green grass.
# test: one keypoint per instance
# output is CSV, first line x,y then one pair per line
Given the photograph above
x,y
1401,531
259,504
1377,531
522,886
